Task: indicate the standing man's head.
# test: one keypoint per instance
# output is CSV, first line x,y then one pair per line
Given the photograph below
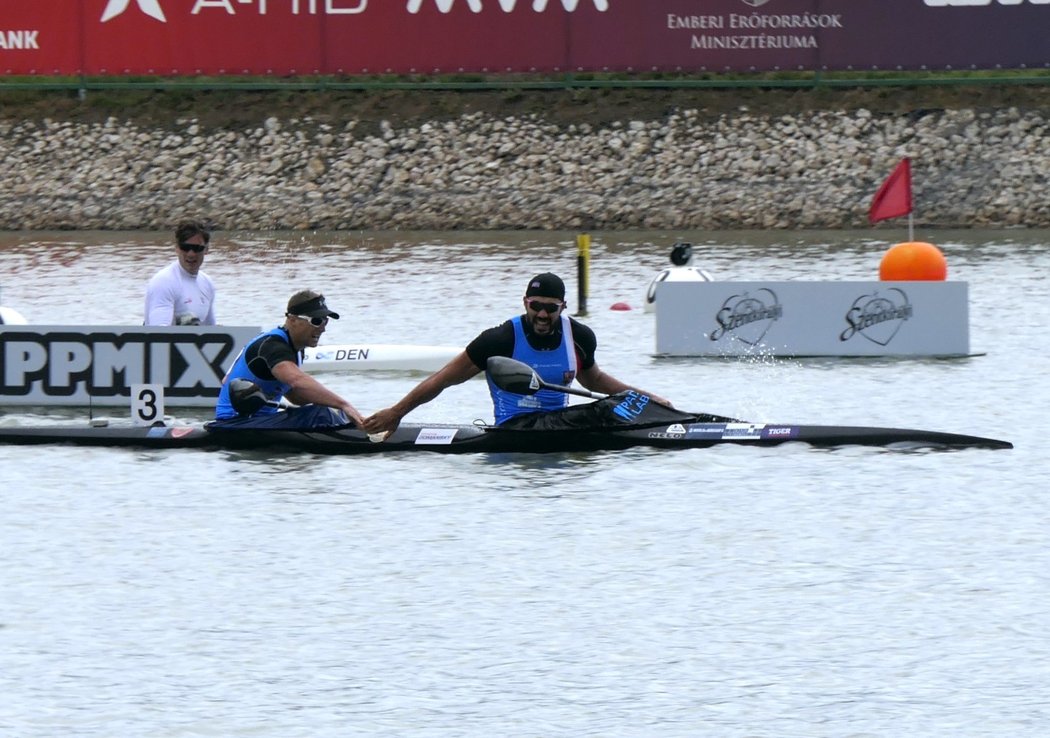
x,y
191,244
306,318
544,300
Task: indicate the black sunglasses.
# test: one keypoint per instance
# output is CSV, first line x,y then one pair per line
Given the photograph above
x,y
194,247
550,307
315,321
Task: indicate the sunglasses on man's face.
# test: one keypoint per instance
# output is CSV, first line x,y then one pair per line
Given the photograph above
x,y
315,321
194,247
549,307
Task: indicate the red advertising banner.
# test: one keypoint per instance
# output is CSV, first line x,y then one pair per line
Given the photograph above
x,y
367,37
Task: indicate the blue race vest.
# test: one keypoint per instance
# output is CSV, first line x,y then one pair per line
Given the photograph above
x,y
557,366
272,388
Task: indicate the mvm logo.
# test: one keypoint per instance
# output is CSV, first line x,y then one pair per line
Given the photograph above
x,y
508,6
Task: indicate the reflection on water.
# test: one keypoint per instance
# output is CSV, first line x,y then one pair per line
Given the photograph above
x,y
725,591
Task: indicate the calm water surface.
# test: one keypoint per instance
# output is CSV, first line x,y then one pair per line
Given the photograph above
x,y
720,592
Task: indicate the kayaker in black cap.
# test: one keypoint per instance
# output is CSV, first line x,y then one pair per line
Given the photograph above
x,y
559,348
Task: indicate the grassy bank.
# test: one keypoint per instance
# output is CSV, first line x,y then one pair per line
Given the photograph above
x,y
237,102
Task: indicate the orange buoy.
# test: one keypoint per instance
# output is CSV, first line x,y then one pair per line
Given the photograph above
x,y
913,261
619,306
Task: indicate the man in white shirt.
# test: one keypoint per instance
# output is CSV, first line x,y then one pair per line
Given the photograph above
x,y
180,293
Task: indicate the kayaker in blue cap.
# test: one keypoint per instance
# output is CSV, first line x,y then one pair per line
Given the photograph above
x,y
559,348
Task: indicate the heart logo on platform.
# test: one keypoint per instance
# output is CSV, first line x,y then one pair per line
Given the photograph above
x,y
748,317
878,316
756,3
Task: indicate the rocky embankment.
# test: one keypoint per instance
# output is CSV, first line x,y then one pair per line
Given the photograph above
x,y
741,169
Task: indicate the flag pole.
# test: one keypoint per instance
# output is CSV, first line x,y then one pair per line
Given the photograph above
x,y
911,226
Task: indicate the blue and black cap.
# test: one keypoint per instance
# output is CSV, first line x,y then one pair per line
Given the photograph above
x,y
311,307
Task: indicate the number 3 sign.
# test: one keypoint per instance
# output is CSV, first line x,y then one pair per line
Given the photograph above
x,y
147,403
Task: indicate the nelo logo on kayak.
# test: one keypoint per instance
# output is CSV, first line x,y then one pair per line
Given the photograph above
x,y
673,432
877,317
748,317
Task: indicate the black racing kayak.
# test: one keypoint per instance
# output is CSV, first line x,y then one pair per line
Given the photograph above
x,y
615,422
451,439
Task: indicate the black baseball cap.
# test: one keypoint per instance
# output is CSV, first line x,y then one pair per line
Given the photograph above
x,y
546,285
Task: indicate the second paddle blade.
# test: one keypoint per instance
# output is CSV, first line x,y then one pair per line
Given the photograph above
x,y
512,375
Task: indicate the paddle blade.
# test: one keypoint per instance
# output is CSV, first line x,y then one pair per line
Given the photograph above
x,y
512,375
246,397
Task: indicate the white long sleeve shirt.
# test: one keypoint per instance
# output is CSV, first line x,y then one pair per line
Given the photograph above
x,y
176,297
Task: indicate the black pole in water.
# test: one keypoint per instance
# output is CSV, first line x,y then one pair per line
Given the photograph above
x,y
583,266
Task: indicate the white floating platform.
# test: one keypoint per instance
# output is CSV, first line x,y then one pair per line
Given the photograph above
x,y
377,357
805,318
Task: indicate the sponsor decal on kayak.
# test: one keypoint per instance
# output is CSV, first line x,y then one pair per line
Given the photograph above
x,y
725,431
435,436
631,406
706,429
161,431
780,431
674,432
743,431
341,354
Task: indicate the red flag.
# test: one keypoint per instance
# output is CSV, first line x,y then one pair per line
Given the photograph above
x,y
894,197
